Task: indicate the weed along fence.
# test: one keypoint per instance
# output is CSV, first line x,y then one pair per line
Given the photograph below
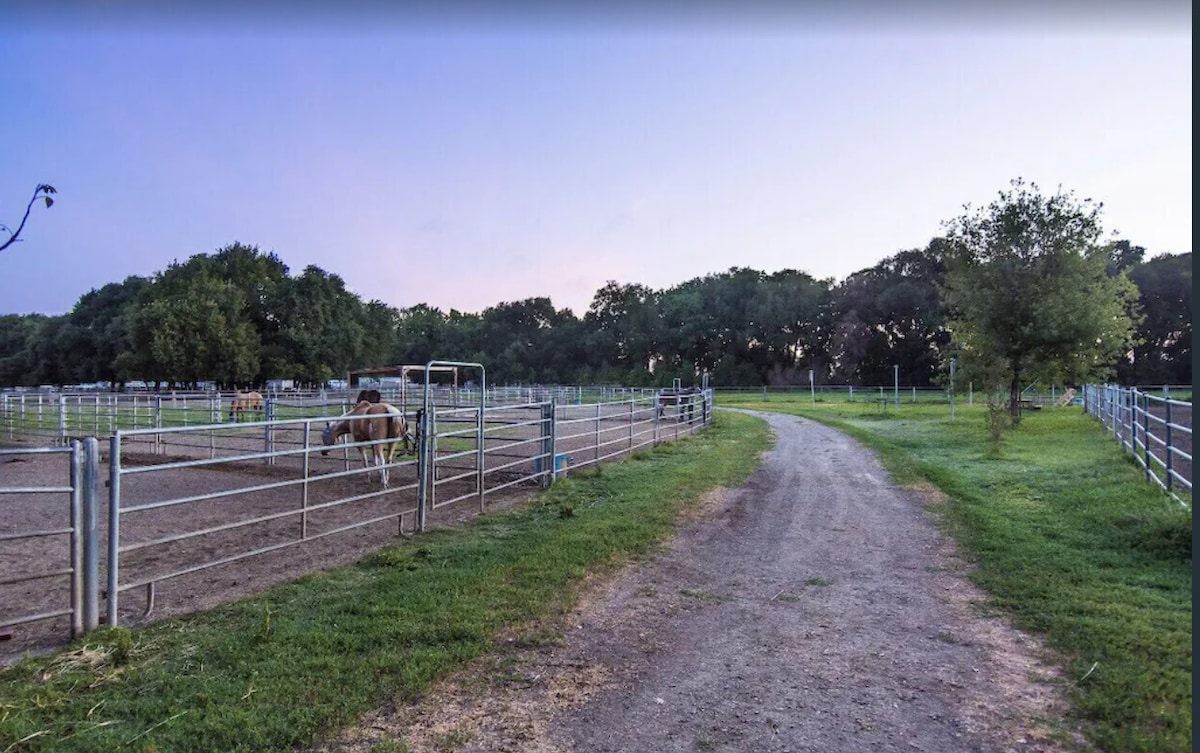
x,y
1155,430
185,516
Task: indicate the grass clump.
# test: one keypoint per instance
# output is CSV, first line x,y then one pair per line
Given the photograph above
x,y
280,671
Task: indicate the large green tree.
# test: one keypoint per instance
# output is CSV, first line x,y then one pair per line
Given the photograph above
x,y
789,327
623,326
1162,353
891,315
18,334
96,331
1028,293
191,327
323,327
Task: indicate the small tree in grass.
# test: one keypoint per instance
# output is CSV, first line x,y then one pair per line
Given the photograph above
x,y
1028,295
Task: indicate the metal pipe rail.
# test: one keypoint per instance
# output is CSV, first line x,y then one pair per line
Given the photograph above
x,y
35,545
1152,430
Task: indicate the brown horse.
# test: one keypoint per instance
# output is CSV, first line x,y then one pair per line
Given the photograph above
x,y
245,402
385,430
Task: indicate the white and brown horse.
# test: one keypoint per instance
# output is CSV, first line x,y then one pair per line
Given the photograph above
x,y
245,402
384,428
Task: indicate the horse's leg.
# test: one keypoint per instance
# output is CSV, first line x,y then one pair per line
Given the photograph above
x,y
366,458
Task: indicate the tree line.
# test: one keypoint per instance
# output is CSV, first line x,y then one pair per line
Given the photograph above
x,y
239,317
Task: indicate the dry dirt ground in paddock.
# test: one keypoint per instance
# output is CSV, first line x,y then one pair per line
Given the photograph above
x,y
816,608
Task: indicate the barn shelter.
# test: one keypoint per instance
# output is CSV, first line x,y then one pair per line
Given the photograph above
x,y
402,372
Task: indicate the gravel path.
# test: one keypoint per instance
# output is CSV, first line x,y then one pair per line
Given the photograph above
x,y
815,608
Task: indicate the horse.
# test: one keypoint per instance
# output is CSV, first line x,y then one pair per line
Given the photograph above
x,y
243,402
385,429
684,398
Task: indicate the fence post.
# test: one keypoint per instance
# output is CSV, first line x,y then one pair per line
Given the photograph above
x,y
307,472
1112,407
1170,447
62,419
631,401
1128,415
598,405
657,409
91,533
268,444
76,539
480,461
1146,433
158,447
114,524
422,467
547,464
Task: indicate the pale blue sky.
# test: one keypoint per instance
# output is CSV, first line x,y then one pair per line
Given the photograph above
x,y
464,161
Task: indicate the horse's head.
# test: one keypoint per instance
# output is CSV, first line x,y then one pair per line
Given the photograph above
x,y
327,437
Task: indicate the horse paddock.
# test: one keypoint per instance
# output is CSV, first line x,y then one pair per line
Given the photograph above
x,y
208,517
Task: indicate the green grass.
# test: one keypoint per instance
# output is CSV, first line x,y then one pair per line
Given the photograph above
x,y
1069,540
280,671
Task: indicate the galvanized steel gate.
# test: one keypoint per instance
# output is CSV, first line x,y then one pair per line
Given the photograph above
x,y
70,542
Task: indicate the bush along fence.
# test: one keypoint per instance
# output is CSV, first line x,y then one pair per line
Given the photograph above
x,y
1154,429
187,505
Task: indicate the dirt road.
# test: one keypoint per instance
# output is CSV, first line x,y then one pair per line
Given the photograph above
x,y
815,608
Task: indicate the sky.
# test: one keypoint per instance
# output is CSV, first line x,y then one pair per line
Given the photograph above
x,y
479,153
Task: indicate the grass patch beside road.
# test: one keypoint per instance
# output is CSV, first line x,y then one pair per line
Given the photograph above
x,y
1069,540
278,671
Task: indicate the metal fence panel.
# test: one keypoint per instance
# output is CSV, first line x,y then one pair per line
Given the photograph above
x,y
1155,430
42,544
193,496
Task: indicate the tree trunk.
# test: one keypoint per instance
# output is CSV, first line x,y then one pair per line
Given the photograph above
x,y
1014,398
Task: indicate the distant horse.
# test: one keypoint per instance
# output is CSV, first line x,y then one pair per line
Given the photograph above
x,y
245,402
386,429
684,399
